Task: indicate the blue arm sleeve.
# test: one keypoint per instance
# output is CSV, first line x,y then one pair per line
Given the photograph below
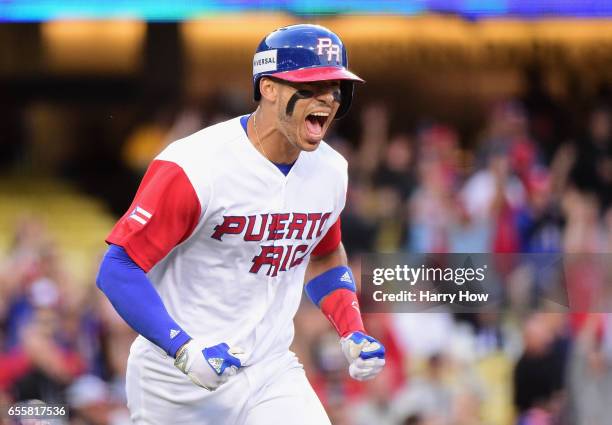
x,y
132,294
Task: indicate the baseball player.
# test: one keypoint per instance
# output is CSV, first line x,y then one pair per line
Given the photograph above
x,y
209,262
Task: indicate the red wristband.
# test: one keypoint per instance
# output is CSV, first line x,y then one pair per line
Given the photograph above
x,y
342,309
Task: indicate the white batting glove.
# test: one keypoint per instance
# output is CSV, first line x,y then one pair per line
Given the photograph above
x,y
365,354
209,367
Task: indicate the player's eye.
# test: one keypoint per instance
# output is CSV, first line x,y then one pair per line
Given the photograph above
x,y
337,95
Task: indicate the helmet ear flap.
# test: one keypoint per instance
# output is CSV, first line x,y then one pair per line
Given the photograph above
x,y
346,93
256,92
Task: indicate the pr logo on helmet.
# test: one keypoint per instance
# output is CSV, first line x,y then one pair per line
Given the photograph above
x,y
325,46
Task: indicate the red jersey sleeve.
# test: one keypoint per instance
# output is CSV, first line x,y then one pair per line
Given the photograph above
x,y
165,211
330,241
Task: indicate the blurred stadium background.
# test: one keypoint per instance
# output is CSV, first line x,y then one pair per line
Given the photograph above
x,y
484,126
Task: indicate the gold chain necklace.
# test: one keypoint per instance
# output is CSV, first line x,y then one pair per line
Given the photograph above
x,y
263,151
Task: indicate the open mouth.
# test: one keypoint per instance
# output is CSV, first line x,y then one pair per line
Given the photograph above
x,y
315,123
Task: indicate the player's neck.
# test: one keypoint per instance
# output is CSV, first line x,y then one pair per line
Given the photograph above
x,y
269,141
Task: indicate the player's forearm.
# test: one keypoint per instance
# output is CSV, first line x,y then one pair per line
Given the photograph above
x,y
331,287
132,294
320,264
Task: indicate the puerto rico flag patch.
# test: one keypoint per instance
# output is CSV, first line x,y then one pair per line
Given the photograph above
x,y
140,215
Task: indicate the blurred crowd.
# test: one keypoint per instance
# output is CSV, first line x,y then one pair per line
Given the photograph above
x,y
60,340
416,190
508,191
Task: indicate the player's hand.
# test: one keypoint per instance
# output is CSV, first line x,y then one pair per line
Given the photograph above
x,y
365,354
209,367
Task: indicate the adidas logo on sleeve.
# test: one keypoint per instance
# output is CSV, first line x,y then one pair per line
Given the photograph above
x,y
346,277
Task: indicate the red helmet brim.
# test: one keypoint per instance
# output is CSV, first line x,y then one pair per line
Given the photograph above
x,y
323,73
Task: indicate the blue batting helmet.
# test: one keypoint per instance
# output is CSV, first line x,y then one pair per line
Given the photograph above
x,y
304,53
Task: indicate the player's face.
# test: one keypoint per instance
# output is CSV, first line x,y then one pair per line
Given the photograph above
x,y
306,111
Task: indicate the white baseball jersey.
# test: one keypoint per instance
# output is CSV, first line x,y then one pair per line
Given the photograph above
x,y
225,236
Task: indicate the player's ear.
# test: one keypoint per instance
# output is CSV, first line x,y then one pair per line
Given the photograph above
x,y
268,89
